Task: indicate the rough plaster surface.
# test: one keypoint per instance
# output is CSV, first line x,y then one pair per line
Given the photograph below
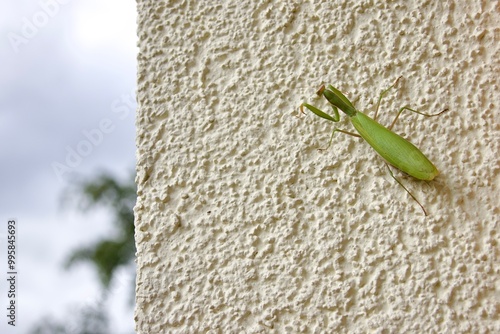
x,y
242,226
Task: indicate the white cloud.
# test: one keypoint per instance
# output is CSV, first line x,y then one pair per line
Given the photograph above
x,y
103,23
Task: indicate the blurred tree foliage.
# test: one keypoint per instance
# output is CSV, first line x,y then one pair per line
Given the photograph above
x,y
119,198
84,320
106,255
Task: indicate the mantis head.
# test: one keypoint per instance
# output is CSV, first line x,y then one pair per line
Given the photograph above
x,y
337,99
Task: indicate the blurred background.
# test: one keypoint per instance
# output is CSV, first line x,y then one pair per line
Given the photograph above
x,y
67,112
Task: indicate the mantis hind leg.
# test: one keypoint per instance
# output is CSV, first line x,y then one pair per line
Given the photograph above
x,y
402,109
415,111
409,193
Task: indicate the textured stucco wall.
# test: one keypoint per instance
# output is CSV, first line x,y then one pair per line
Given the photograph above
x,y
244,227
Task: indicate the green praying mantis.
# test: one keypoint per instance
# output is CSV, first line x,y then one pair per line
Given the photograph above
x,y
393,148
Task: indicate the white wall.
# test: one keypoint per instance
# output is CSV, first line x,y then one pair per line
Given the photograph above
x,y
244,227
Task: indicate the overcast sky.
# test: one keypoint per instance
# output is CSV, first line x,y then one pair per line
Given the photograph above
x,y
67,83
